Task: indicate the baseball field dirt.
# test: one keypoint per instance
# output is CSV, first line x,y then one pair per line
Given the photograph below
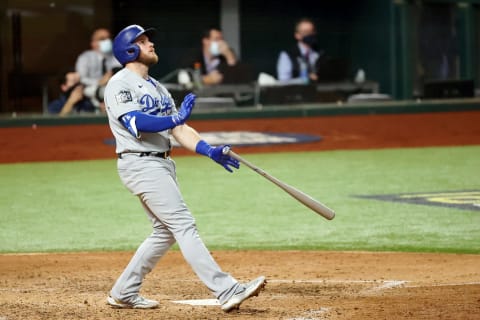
x,y
301,284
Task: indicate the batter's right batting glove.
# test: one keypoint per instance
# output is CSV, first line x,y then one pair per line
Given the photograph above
x,y
216,154
185,110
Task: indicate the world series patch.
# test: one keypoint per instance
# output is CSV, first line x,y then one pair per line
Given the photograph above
x,y
465,200
123,96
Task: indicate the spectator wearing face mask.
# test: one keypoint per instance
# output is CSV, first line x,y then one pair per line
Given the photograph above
x,y
97,65
214,56
301,61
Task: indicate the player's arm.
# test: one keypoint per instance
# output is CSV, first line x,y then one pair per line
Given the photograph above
x,y
136,122
186,136
191,139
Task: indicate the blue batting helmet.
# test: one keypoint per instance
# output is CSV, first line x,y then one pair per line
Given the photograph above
x,y
124,48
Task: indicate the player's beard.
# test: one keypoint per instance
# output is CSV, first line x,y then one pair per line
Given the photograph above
x,y
148,59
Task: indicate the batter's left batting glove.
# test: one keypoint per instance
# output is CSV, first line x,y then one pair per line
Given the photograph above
x,y
216,154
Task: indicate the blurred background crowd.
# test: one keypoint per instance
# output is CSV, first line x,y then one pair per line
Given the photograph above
x,y
56,54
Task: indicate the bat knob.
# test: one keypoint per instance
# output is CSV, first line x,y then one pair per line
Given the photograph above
x,y
226,150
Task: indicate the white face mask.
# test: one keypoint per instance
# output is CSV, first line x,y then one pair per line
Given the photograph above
x,y
214,48
105,46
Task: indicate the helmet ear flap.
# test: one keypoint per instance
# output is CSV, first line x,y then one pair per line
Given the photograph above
x,y
133,51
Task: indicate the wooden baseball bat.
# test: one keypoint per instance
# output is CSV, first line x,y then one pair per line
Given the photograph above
x,y
302,197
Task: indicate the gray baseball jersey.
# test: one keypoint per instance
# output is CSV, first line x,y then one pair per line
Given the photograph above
x,y
153,180
127,91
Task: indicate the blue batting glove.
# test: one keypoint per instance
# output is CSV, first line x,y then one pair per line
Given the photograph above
x,y
216,154
185,109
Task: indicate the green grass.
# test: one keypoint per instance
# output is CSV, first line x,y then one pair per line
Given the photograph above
x,y
82,205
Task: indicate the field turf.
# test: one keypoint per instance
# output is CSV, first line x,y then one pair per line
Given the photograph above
x,y
82,205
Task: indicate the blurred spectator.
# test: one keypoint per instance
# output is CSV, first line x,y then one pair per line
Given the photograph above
x,y
214,56
96,66
301,58
71,99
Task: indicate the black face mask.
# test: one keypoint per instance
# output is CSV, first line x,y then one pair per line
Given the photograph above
x,y
310,40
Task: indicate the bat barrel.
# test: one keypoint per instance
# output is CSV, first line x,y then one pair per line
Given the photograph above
x,y
300,196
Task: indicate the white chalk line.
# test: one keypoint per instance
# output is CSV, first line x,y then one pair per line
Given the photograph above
x,y
383,284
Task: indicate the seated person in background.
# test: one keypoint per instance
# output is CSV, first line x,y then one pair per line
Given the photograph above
x,y
303,55
97,65
214,55
72,98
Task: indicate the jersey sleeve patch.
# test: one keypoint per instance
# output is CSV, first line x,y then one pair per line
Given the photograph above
x,y
124,96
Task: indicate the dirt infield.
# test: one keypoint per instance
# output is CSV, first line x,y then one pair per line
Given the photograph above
x,y
302,285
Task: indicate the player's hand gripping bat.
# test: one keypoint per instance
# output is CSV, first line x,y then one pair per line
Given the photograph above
x,y
303,198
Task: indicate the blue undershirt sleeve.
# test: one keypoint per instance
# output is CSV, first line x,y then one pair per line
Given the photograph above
x,y
136,122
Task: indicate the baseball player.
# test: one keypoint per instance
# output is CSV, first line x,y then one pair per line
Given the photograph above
x,y
142,116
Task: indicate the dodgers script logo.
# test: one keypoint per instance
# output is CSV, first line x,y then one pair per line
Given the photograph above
x,y
154,106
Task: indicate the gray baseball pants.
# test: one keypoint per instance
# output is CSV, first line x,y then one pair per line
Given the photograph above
x,y
154,181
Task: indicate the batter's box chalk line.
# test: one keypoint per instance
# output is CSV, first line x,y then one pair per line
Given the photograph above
x,y
378,284
388,284
383,283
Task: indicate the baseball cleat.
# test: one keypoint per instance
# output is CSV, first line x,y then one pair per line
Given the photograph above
x,y
138,302
252,289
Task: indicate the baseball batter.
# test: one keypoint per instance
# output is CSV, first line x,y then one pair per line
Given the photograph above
x,y
142,115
